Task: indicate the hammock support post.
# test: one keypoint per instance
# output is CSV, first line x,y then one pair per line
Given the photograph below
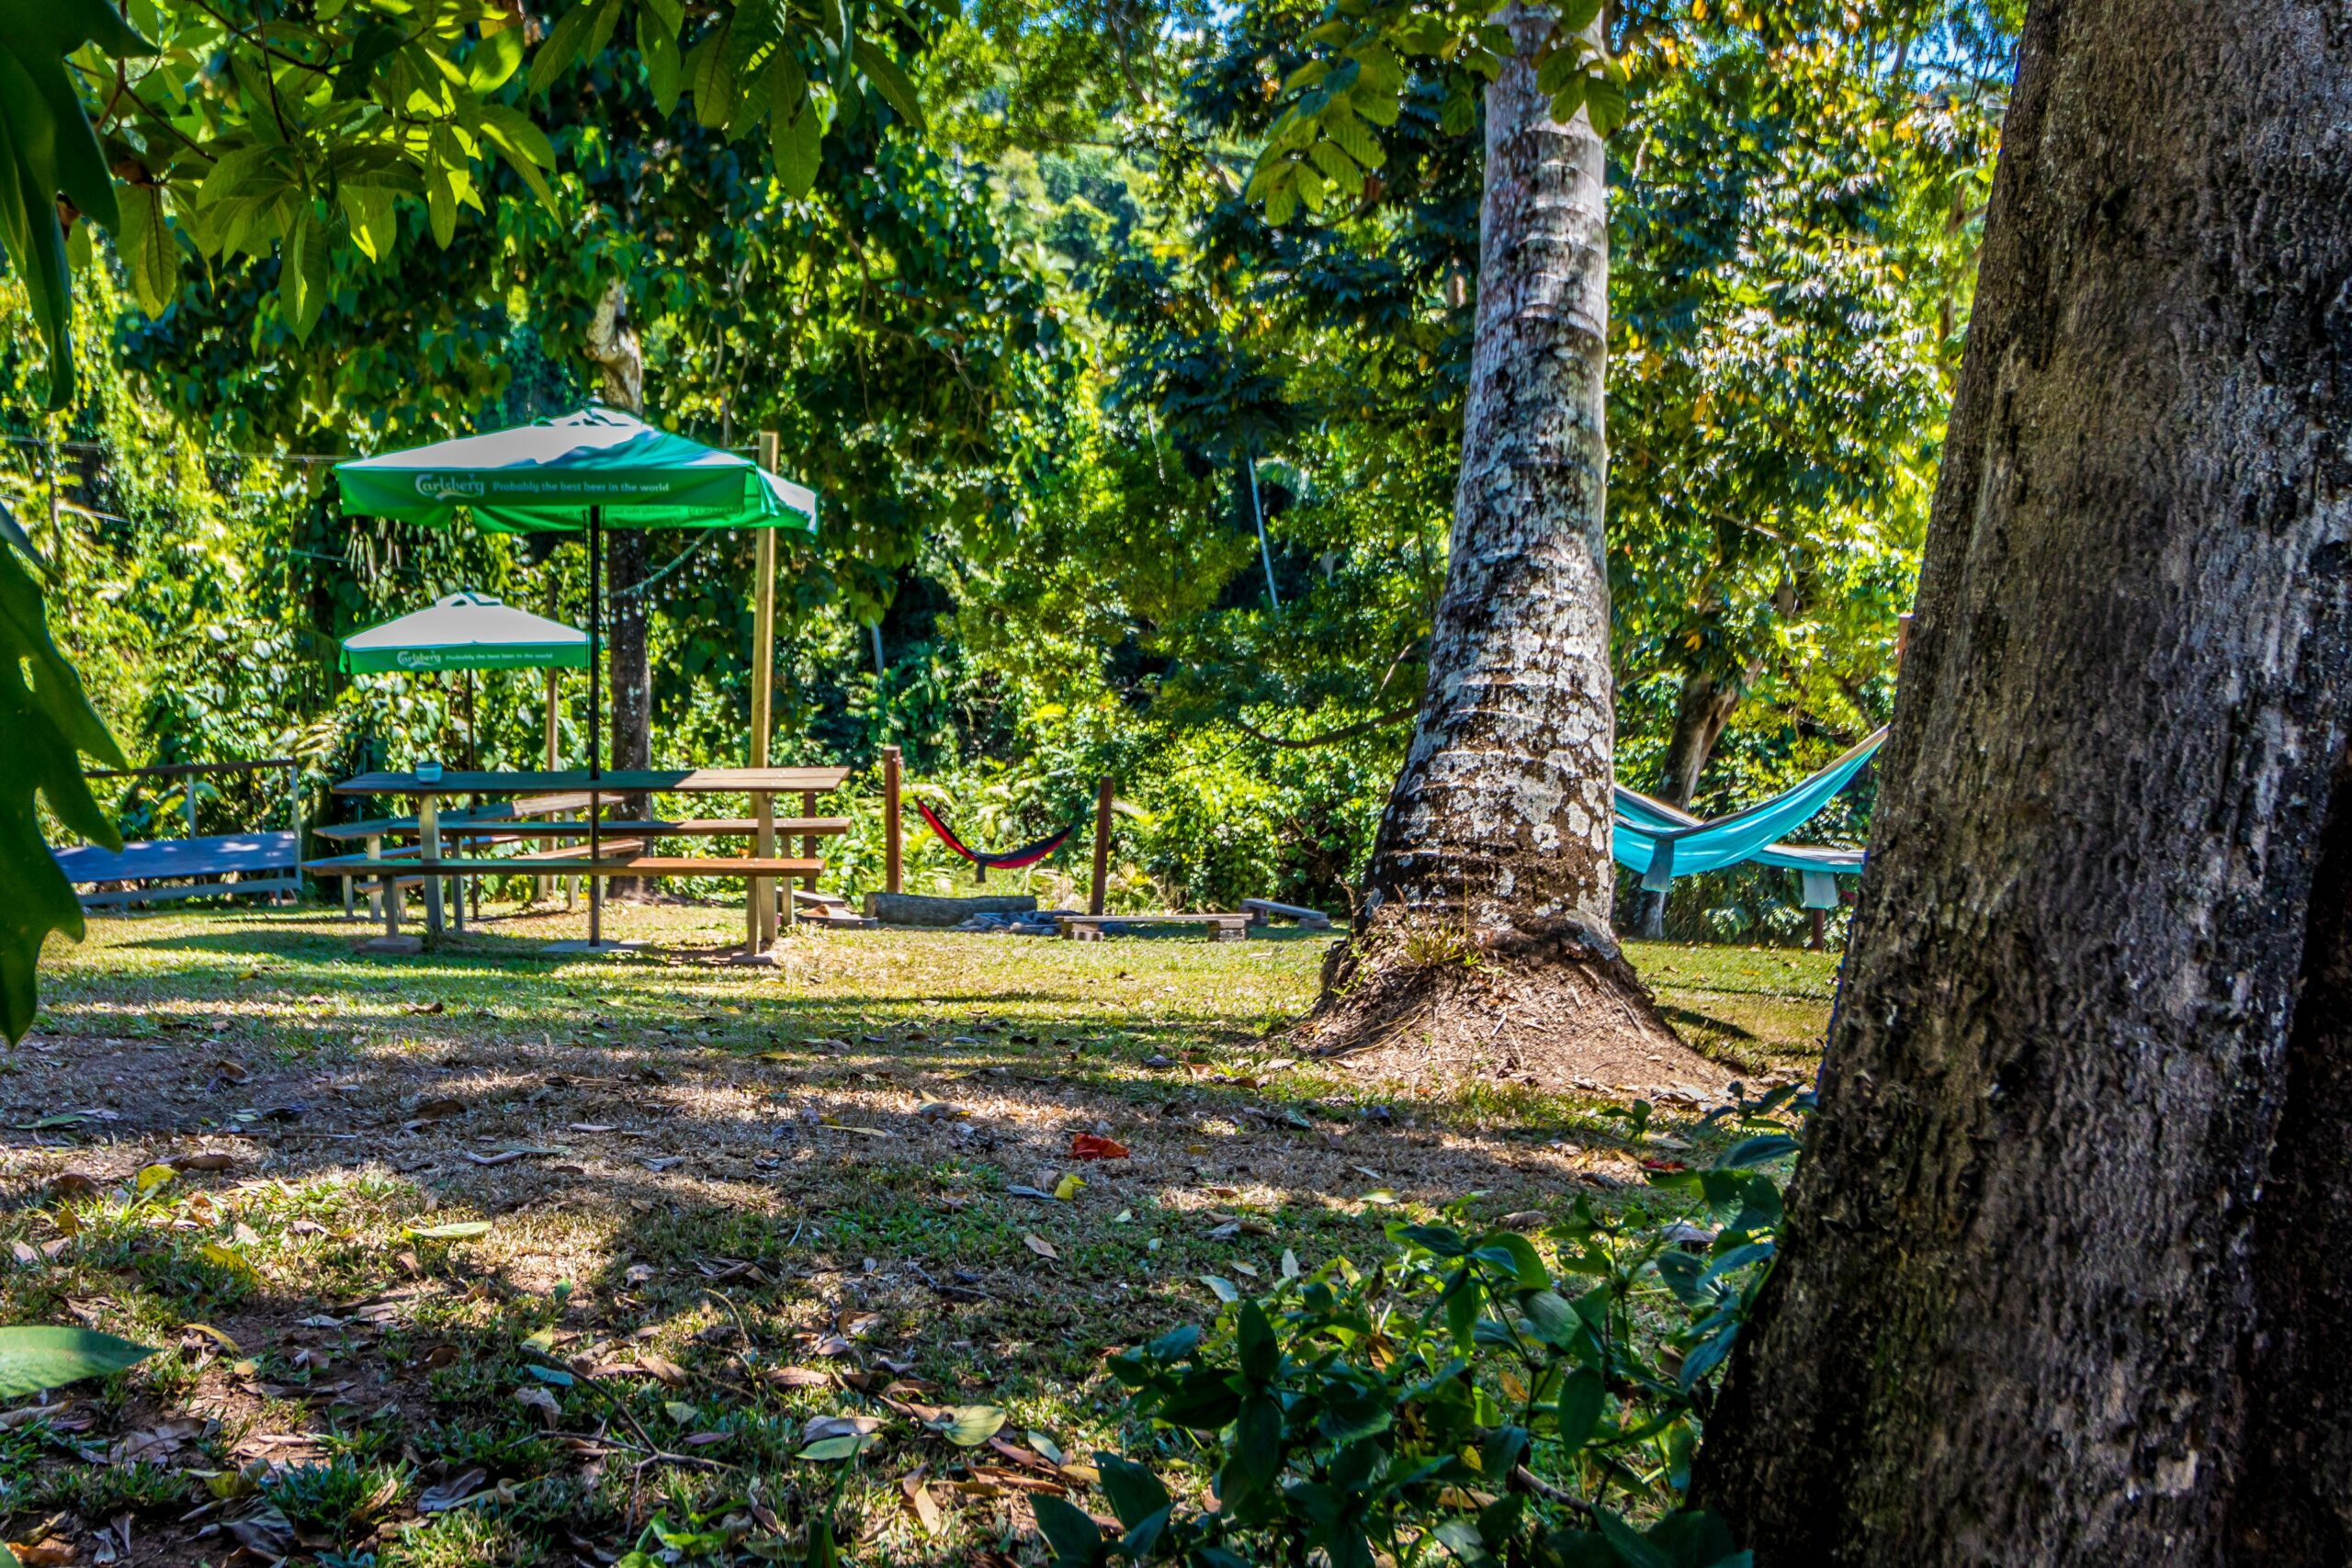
x,y
893,851
1101,849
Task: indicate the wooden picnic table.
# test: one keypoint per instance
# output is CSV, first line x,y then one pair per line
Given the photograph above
x,y
629,781
624,857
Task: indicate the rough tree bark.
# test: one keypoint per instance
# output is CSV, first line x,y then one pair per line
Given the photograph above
x,y
1701,710
2064,1270
1483,942
619,358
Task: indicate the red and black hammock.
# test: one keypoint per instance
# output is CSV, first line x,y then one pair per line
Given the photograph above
x,y
1011,859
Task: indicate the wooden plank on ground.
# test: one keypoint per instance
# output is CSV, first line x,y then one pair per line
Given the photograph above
x,y
1312,919
173,892
1094,928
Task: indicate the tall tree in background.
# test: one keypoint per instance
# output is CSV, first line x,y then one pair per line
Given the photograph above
x,y
1784,253
2063,1273
1483,942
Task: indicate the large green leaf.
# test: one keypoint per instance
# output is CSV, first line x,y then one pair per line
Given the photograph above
x,y
151,257
797,130
33,1359
47,149
888,79
50,723
307,275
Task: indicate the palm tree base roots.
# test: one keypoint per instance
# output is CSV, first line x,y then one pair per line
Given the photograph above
x,y
1558,1008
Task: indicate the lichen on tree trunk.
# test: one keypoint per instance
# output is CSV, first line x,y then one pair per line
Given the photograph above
x,y
2063,1275
1484,943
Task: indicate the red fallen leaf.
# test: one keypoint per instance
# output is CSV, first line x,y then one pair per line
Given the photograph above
x,y
1088,1145
1665,1165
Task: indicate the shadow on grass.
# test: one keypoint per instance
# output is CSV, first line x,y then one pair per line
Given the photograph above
x,y
736,1171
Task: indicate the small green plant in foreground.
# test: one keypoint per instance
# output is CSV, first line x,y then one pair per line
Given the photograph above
x,y
1467,1400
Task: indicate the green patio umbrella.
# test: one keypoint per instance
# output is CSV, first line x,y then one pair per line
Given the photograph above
x,y
466,631
564,475
469,631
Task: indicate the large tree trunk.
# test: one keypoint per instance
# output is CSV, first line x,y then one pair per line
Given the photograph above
x,y
1483,945
1700,712
2064,1275
619,358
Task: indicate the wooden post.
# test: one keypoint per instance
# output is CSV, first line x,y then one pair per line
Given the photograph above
x,y
808,840
1820,942
1101,849
294,820
893,850
428,833
387,894
188,800
758,907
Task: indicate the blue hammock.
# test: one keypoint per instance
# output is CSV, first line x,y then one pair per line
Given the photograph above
x,y
1663,843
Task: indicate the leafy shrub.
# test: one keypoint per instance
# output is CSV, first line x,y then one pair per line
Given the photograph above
x,y
1466,1395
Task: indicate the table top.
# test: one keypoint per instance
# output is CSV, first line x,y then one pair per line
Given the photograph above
x,y
690,781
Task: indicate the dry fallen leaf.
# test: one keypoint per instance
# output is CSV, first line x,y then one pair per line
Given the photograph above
x,y
541,1400
452,1493
1039,1246
798,1377
920,1503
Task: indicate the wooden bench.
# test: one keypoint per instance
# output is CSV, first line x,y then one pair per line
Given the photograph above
x,y
162,870
1094,928
209,865
374,831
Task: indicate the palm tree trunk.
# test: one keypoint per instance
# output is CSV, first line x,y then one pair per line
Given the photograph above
x,y
1483,945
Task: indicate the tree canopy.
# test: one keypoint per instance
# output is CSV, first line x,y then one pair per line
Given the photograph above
x,y
1128,462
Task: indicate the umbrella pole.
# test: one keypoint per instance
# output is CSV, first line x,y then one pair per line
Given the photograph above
x,y
595,714
469,887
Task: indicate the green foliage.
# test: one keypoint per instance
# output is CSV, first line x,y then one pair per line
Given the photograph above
x,y
1470,1394
51,725
1326,147
249,130
1784,331
47,149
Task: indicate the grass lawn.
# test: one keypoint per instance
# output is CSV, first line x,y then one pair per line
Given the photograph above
x,y
719,1202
